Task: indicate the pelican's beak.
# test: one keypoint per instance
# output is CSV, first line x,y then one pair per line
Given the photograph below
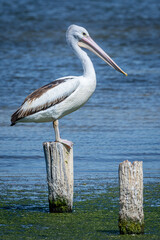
x,y
87,42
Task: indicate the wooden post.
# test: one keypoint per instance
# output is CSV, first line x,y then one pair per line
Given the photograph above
x,y
131,217
59,166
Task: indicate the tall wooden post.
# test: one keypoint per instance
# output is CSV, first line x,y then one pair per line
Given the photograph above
x,y
131,217
59,166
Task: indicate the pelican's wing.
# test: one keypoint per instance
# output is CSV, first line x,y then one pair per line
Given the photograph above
x,y
45,97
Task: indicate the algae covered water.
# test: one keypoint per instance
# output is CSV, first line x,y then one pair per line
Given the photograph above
x,y
24,215
122,119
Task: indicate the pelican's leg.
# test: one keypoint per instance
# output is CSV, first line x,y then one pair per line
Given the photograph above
x,y
57,135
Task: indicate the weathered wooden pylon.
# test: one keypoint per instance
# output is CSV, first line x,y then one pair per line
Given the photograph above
x,y
59,167
131,216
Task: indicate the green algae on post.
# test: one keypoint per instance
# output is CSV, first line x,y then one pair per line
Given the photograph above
x,y
59,205
130,227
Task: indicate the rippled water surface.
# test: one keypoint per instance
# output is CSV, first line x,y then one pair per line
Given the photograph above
x,y
122,119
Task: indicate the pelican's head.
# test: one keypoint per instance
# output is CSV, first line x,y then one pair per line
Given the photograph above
x,y
77,35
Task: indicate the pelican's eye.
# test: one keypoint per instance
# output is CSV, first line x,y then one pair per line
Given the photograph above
x,y
84,34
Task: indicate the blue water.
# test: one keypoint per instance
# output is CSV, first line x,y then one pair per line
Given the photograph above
x,y
122,119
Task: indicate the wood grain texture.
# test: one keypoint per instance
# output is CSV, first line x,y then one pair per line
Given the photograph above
x,y
131,216
59,167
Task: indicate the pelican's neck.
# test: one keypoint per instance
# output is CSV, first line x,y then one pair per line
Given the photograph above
x,y
88,68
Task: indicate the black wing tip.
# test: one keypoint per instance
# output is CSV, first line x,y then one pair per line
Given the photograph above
x,y
14,118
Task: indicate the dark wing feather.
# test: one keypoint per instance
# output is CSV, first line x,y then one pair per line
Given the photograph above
x,y
20,113
38,92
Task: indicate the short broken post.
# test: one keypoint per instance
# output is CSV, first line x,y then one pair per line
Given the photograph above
x,y
59,167
131,216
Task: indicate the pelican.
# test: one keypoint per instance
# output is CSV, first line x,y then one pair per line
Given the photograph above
x,y
65,95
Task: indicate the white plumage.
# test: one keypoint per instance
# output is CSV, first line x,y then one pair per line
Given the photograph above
x,y
65,95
